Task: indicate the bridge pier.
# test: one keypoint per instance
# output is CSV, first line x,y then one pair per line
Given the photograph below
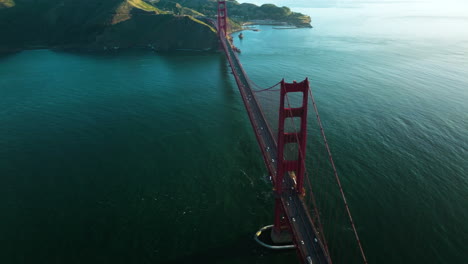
x,y
281,237
281,231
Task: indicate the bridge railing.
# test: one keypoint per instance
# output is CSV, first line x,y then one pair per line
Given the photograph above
x,y
262,130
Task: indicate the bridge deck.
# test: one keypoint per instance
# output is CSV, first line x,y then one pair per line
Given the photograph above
x,y
308,243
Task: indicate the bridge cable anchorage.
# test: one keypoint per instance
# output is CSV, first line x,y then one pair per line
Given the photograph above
x,y
320,226
268,227
330,157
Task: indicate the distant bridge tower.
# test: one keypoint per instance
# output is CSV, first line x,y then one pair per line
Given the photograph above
x,y
222,17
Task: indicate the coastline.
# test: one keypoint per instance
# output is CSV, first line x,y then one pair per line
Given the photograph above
x,y
286,26
7,52
87,48
270,22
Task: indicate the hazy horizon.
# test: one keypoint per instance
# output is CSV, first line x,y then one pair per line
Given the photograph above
x,y
425,19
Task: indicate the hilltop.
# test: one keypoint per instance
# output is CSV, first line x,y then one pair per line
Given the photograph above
x,y
96,25
91,25
241,13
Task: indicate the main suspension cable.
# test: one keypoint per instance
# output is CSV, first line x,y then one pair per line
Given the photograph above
x,y
330,157
302,155
264,89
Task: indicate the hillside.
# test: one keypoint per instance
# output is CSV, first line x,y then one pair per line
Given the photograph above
x,y
245,12
92,25
7,3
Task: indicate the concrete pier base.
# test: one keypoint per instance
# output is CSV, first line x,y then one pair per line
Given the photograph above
x,y
281,237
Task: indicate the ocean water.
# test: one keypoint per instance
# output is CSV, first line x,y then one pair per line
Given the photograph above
x,y
140,157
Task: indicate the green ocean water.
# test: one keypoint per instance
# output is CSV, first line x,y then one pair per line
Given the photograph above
x,y
139,157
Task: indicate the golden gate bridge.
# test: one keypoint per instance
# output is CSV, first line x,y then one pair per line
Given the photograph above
x,y
292,220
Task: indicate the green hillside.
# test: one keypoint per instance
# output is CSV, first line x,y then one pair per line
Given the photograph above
x,y
100,24
245,11
7,3
93,25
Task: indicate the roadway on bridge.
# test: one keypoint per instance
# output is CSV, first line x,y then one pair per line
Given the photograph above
x,y
305,234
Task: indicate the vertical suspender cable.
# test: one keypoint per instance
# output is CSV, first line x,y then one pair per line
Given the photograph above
x,y
330,157
307,176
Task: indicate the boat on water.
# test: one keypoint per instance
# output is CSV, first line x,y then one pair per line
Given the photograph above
x,y
255,29
241,36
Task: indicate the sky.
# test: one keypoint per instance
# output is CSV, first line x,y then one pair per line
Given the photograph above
x,y
459,7
454,9
429,19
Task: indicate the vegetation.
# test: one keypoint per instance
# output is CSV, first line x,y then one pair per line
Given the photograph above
x,y
6,3
244,12
143,5
100,24
95,25
176,8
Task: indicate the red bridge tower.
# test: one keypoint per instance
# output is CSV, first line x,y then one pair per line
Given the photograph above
x,y
222,17
295,169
